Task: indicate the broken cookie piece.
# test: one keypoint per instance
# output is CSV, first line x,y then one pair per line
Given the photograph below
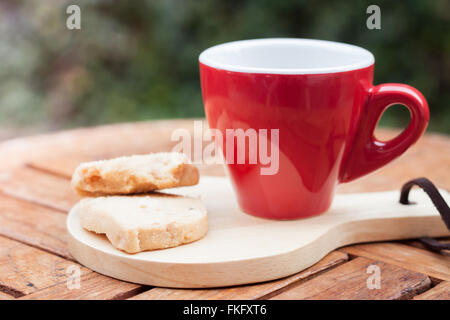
x,y
144,222
134,174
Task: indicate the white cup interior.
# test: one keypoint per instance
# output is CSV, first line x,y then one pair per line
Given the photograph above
x,y
286,56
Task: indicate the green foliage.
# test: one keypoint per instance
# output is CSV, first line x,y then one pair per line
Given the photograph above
x,y
137,60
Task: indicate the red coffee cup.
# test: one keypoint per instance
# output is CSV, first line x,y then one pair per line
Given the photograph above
x,y
320,97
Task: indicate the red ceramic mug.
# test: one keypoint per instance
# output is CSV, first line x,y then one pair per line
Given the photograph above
x,y
320,97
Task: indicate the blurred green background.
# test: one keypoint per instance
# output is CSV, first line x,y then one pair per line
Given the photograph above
x,y
137,60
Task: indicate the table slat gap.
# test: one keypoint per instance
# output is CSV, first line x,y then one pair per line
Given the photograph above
x,y
62,255
5,296
33,225
132,293
48,171
37,187
439,292
7,290
31,201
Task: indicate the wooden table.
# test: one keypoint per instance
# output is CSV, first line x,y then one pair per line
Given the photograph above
x,y
35,196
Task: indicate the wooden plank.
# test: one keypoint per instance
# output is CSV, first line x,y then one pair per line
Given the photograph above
x,y
28,271
64,164
92,286
243,292
57,149
96,143
408,257
350,281
34,225
440,292
24,269
38,187
105,142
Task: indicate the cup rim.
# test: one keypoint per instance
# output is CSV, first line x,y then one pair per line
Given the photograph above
x,y
363,58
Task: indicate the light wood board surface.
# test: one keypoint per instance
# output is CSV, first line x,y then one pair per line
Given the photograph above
x,y
241,249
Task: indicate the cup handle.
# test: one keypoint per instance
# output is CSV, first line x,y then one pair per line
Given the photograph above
x,y
367,153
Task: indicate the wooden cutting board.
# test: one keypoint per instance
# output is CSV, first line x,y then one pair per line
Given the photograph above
x,y
241,249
